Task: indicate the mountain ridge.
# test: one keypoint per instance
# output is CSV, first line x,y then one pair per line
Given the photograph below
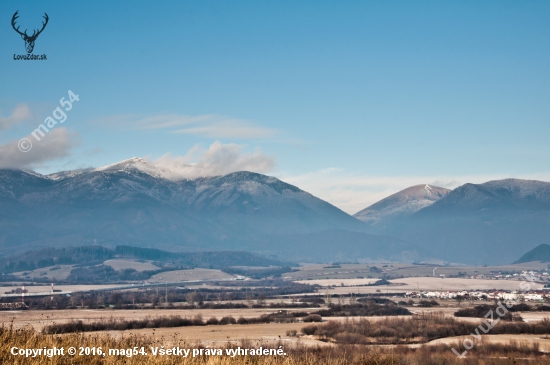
x,y
489,223
401,204
135,203
540,253
128,203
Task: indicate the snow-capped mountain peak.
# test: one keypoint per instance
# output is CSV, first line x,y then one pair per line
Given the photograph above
x,y
137,164
134,163
128,165
428,189
402,203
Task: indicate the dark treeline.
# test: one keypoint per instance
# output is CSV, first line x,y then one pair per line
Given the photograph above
x,y
166,297
176,321
369,308
120,325
30,260
480,311
94,255
428,303
416,329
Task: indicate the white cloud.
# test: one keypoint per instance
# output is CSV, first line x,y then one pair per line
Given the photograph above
x,y
354,192
19,114
229,129
56,144
218,159
209,125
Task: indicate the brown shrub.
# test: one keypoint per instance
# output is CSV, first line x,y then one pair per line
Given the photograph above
x,y
309,330
242,320
227,320
313,318
213,320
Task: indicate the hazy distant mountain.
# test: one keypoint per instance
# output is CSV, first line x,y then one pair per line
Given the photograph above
x,y
490,223
401,204
507,194
130,203
539,253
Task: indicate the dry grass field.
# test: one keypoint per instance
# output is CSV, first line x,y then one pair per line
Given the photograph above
x,y
324,271
420,283
58,272
543,341
64,288
522,349
338,282
269,333
495,350
353,271
191,275
257,332
291,354
427,270
131,264
534,316
39,319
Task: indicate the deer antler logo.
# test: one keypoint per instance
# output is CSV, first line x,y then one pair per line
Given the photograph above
x,y
29,40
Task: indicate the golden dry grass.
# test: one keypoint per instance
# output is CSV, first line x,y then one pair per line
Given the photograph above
x,y
194,274
119,264
422,284
485,354
543,341
39,319
59,272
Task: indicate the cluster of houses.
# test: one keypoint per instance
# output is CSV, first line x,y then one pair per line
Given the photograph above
x,y
488,295
521,294
535,275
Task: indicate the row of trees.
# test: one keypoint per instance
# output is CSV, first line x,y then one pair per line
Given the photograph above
x,y
163,296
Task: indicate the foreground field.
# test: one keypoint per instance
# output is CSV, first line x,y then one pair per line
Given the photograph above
x,y
104,349
22,329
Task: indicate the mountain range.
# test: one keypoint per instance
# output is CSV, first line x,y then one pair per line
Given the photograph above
x,y
131,203
490,223
134,203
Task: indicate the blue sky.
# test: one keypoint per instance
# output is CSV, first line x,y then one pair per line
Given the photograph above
x,y
350,100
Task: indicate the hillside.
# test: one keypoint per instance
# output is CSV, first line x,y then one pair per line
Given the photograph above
x,y
401,204
540,253
91,256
